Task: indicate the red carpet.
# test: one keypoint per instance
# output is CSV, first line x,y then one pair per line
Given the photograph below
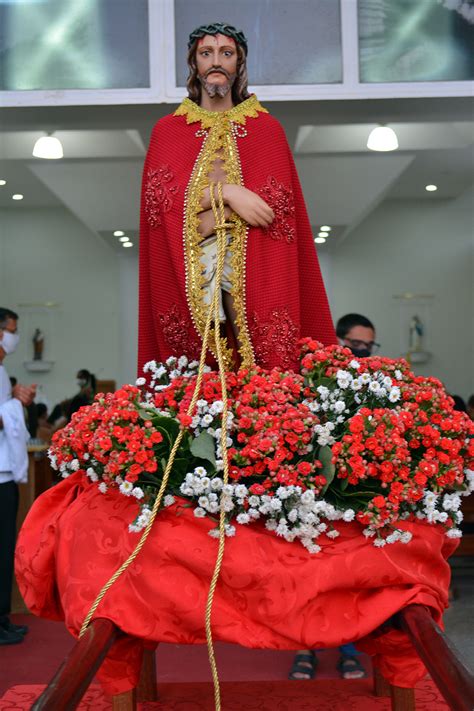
x,y
36,660
322,695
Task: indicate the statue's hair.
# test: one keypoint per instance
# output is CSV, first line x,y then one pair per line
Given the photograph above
x,y
239,88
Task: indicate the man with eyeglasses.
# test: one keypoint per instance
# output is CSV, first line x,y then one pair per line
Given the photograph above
x,y
357,333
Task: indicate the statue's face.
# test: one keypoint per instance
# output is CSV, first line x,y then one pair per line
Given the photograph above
x,y
216,61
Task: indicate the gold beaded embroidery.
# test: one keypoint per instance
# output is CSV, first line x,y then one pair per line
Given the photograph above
x,y
237,114
220,138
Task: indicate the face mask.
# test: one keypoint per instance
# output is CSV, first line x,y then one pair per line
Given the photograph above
x,y
361,352
9,342
81,382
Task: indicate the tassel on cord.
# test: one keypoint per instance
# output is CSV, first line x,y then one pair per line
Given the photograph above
x,y
220,226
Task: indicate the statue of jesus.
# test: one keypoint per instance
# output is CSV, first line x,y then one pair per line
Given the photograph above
x,y
271,293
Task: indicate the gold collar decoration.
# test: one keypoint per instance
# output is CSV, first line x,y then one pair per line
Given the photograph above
x,y
237,114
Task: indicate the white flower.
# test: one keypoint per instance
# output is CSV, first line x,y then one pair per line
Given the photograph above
x,y
293,515
348,515
344,379
339,406
216,484
443,517
206,420
243,518
451,502
379,543
229,530
102,487
374,387
394,394
171,361
241,491
91,474
430,499
356,384
275,504
406,537
200,471
454,533
310,546
126,488
216,407
168,500
74,465
368,532
199,512
307,497
140,381
137,492
364,379
182,362
203,501
323,391
398,375
354,364
333,533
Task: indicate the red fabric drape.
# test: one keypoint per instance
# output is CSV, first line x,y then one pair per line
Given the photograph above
x,y
285,295
271,594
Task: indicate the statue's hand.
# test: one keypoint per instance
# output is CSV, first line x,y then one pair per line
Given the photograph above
x,y
248,205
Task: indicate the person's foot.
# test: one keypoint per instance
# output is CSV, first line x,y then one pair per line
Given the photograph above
x,y
8,626
10,637
350,667
304,665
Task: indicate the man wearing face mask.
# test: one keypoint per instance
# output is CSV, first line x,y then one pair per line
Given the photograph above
x,y
357,333
13,470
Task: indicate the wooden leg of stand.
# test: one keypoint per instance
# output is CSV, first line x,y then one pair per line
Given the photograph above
x,y
381,685
146,689
126,701
403,699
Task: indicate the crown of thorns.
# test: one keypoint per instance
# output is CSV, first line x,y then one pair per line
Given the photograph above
x,y
219,28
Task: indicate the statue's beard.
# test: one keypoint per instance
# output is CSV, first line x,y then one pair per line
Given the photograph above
x,y
214,90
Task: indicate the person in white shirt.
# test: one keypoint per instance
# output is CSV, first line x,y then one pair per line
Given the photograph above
x,y
13,470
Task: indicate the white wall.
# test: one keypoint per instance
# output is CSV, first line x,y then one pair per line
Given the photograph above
x,y
128,327
48,255
418,247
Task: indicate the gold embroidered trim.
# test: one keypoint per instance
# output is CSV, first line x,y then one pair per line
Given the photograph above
x,y
237,114
220,136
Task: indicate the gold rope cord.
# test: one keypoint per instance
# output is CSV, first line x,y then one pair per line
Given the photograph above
x,y
221,229
220,136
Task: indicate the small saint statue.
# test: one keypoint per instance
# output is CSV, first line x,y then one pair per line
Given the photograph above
x,y
416,334
38,345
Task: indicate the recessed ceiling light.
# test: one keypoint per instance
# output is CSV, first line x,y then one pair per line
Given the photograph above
x,y
320,240
323,234
127,244
382,138
17,196
325,228
431,188
119,233
124,239
3,182
48,147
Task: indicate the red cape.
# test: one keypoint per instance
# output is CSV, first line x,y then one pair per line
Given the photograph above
x,y
285,296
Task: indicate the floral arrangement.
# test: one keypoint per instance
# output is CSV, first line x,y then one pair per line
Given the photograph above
x,y
344,439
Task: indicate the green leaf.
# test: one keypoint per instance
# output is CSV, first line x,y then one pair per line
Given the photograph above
x,y
344,484
203,447
328,470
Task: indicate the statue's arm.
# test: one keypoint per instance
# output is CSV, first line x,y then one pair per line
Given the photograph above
x,y
247,204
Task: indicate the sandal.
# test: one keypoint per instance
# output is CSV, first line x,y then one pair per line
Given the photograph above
x,y
304,666
350,668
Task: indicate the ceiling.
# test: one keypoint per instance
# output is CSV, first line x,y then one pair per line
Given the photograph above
x,y
99,178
